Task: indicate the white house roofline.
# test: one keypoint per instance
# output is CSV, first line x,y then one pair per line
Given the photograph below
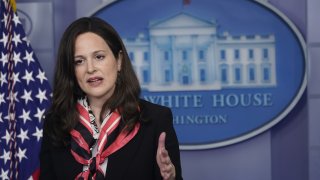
x,y
157,23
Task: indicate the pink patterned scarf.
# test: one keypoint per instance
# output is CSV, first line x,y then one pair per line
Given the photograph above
x,y
109,141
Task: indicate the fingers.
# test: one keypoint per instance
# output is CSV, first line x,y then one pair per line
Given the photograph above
x,y
167,168
162,139
162,152
164,156
168,172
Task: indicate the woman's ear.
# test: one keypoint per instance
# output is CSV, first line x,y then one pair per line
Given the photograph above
x,y
119,60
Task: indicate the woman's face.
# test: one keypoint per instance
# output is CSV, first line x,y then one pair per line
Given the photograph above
x,y
95,66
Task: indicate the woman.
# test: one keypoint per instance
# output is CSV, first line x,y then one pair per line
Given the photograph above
x,y
97,127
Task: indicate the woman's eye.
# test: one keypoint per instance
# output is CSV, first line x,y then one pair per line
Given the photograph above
x,y
78,61
100,57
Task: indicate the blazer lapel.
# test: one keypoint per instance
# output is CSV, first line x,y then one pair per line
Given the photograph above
x,y
120,160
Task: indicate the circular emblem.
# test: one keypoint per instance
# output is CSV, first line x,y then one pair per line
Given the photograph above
x,y
229,70
25,21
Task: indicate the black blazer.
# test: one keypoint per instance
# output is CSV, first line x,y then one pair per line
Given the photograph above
x,y
136,160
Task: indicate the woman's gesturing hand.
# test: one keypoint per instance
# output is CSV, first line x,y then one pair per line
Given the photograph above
x,y
167,169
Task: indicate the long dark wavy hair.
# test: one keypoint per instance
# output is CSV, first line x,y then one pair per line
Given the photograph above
x,y
62,116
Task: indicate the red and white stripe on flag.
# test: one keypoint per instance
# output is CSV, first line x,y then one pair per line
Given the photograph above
x,y
24,97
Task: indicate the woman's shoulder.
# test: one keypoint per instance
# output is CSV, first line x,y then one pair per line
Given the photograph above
x,y
155,113
53,131
149,106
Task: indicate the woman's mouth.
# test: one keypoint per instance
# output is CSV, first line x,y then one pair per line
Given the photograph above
x,y
95,81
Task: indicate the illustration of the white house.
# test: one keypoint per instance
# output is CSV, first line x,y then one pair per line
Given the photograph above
x,y
184,52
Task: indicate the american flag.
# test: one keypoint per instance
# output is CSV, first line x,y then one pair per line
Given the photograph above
x,y
24,96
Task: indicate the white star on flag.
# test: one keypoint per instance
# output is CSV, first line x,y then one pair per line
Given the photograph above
x,y
29,57
38,134
21,154
28,77
26,96
2,98
4,38
3,79
41,95
41,76
5,156
7,137
23,135
16,39
4,175
16,20
3,59
25,116
39,114
1,117
16,77
16,58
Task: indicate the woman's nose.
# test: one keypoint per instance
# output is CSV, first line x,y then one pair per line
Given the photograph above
x,y
91,66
